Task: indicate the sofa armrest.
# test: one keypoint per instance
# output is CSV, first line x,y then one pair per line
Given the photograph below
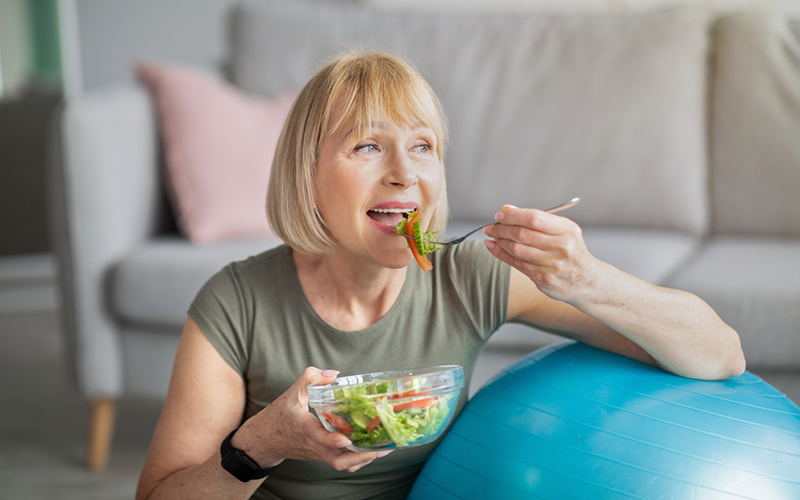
x,y
104,198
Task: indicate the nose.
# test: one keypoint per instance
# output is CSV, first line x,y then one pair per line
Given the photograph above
x,y
400,171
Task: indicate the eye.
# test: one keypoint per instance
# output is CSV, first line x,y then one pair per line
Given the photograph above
x,y
367,148
423,148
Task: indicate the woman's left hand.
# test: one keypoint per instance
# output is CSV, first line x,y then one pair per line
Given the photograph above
x,y
547,248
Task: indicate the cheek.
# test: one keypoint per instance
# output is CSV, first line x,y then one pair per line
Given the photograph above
x,y
433,180
338,193
326,201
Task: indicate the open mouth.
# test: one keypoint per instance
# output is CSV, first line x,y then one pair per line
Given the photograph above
x,y
389,216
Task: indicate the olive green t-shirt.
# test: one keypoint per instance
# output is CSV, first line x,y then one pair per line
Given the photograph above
x,y
256,315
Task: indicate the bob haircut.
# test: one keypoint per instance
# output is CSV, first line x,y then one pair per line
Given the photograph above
x,y
359,86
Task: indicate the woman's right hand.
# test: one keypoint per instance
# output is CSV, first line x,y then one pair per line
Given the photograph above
x,y
286,429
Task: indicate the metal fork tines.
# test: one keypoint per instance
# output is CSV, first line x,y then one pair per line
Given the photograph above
x,y
456,241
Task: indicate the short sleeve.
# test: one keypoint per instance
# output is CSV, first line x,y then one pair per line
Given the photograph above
x,y
220,312
481,282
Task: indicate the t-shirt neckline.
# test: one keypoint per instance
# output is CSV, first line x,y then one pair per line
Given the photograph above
x,y
293,283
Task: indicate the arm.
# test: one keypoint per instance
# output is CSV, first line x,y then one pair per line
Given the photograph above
x,y
205,401
558,285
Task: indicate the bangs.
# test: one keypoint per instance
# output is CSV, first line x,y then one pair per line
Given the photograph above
x,y
379,88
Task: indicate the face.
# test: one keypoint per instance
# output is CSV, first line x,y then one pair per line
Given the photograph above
x,y
366,182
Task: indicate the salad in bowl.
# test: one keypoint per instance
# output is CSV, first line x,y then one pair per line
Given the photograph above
x,y
391,409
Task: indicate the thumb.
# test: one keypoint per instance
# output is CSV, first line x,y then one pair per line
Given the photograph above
x,y
312,375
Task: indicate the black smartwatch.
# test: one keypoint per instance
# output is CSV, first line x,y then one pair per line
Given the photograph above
x,y
239,464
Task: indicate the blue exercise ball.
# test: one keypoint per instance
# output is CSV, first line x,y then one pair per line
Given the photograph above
x,y
573,422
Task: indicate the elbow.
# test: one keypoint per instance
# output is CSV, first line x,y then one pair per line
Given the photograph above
x,y
731,361
734,364
738,365
722,367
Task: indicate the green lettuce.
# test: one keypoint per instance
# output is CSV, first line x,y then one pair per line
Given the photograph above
x,y
422,237
401,427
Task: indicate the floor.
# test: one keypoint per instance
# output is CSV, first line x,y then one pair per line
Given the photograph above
x,y
43,419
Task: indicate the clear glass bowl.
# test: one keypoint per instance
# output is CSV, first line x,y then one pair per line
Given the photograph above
x,y
391,409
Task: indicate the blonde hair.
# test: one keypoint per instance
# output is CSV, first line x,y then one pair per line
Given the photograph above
x,y
358,86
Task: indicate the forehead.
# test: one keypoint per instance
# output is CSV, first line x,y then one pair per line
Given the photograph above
x,y
345,122
380,125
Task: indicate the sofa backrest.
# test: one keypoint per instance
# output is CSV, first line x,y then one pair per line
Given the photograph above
x,y
755,124
541,107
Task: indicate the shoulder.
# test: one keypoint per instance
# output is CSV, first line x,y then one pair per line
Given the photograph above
x,y
472,281
252,270
467,261
237,280
473,272
468,252
268,260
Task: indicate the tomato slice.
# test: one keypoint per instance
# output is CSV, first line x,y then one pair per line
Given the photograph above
x,y
338,422
417,403
373,424
422,260
410,394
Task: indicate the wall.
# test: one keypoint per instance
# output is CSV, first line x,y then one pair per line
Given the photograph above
x,y
16,50
115,33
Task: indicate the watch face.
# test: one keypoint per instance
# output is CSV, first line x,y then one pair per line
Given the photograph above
x,y
239,465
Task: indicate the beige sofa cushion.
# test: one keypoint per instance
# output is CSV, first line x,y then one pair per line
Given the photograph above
x,y
754,285
542,108
755,123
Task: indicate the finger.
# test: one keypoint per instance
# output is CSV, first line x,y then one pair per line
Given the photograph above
x,y
504,255
357,467
360,460
520,234
525,244
322,437
532,218
313,375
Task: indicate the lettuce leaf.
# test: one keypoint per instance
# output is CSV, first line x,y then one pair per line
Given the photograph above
x,y
423,245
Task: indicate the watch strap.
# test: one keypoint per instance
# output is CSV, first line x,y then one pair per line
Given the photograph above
x,y
239,464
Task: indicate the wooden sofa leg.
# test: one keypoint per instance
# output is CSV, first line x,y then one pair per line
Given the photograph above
x,y
101,431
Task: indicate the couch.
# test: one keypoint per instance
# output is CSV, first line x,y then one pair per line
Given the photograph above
x,y
679,128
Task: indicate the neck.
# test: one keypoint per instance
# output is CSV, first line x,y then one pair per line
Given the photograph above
x,y
348,293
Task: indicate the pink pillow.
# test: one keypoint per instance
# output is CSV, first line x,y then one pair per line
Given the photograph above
x,y
218,144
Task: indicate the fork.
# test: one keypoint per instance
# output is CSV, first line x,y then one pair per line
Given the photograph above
x,y
456,241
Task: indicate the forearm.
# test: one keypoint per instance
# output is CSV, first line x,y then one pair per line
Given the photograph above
x,y
678,330
207,480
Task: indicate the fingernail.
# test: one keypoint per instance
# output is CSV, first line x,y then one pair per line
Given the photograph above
x,y
489,244
499,216
344,443
330,373
383,453
510,207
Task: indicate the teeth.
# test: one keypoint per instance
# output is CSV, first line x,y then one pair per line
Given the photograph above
x,y
393,210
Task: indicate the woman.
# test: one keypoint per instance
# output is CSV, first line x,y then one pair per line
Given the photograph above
x,y
363,144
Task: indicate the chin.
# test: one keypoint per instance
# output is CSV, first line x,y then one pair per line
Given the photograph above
x,y
391,261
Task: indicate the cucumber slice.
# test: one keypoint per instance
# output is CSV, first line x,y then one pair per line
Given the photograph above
x,y
418,238
360,419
